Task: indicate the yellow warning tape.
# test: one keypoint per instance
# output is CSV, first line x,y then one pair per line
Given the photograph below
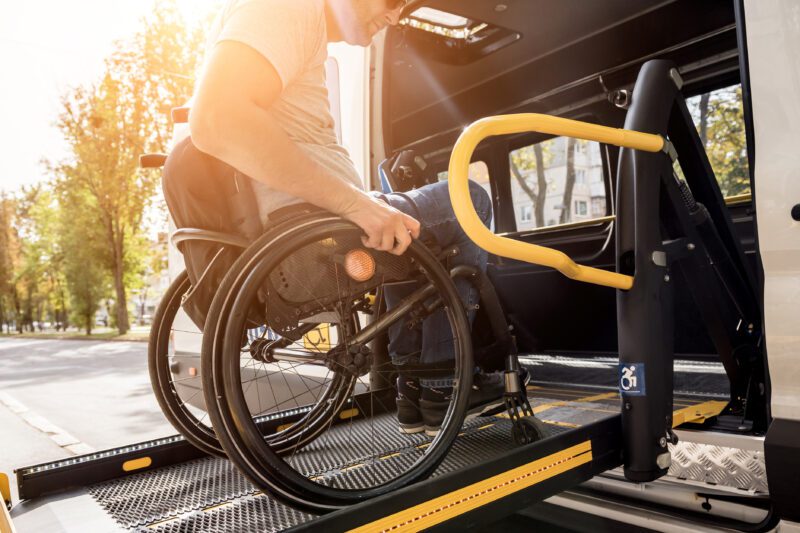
x,y
6,525
5,488
565,403
463,500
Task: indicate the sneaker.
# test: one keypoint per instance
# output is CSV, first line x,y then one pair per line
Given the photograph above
x,y
486,394
408,411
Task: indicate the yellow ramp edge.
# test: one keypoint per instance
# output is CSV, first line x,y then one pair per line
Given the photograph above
x,y
6,526
5,487
483,492
697,413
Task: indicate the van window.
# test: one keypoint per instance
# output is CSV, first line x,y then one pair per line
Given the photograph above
x,y
557,181
479,173
719,119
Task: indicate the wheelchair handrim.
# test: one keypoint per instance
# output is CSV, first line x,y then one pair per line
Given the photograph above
x,y
297,484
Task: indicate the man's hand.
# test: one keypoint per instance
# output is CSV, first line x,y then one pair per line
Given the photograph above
x,y
386,228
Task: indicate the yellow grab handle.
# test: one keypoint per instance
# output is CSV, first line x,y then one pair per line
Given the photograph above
x,y
532,253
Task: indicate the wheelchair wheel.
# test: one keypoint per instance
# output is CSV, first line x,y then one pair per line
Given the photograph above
x,y
347,447
176,383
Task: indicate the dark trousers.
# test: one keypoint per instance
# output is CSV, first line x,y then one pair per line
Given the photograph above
x,y
203,192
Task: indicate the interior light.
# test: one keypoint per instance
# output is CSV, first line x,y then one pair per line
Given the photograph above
x,y
440,18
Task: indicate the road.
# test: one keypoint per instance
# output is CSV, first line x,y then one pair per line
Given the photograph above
x,y
60,398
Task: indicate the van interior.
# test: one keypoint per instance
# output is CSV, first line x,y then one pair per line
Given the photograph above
x,y
462,60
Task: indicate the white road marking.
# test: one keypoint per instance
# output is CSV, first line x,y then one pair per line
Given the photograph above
x,y
56,434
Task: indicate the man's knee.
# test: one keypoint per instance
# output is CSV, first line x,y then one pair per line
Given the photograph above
x,y
482,202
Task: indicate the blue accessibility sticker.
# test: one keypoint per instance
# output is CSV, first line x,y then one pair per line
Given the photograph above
x,y
631,379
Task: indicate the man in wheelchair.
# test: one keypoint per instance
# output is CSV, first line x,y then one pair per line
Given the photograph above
x,y
263,144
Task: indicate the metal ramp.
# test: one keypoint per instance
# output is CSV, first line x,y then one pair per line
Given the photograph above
x,y
483,476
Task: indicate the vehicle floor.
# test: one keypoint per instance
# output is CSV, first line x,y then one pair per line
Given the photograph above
x,y
209,494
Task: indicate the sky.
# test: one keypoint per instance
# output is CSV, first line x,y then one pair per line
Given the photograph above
x,y
47,46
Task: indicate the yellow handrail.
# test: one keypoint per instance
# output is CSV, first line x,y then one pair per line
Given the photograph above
x,y
458,175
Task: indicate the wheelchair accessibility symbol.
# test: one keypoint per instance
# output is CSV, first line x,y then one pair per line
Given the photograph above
x,y
631,379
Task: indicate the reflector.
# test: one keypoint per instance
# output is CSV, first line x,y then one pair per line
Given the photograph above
x,y
359,264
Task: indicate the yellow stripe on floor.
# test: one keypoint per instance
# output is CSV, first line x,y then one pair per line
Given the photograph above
x,y
566,403
697,413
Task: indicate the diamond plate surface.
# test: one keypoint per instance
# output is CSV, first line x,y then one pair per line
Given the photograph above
x,y
719,465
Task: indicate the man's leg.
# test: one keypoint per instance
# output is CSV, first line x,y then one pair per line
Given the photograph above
x,y
431,206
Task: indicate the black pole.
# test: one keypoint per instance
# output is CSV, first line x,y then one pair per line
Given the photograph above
x,y
645,312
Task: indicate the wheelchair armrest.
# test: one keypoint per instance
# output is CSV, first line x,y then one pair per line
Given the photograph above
x,y
194,234
180,115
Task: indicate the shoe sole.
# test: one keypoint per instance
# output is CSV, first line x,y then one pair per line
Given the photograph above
x,y
411,430
475,412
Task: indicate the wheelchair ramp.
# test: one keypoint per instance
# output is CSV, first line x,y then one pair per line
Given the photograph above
x,y
211,495
484,471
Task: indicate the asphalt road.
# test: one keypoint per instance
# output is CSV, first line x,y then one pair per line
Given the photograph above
x,y
60,398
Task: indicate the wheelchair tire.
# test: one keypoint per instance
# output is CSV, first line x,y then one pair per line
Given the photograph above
x,y
175,408
282,470
214,395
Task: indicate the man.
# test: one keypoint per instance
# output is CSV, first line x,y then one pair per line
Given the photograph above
x,y
261,107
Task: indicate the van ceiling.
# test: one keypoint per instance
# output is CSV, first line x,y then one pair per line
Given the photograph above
x,y
564,46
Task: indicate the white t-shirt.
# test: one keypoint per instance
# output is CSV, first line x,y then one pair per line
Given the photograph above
x,y
292,35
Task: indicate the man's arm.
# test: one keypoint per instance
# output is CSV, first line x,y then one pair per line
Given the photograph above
x,y
229,120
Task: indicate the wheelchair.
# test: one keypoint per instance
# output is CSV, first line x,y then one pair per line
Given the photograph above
x,y
294,375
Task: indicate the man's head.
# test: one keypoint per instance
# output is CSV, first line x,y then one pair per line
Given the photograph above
x,y
357,21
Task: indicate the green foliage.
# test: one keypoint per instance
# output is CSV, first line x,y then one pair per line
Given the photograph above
x,y
84,273
40,270
109,124
72,244
719,115
9,259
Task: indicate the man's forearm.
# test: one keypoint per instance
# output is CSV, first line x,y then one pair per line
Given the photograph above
x,y
257,146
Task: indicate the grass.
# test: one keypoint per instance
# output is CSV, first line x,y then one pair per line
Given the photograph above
x,y
138,334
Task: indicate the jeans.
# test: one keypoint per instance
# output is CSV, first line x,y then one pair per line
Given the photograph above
x,y
432,341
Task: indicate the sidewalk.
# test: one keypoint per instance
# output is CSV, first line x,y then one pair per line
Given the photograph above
x,y
136,334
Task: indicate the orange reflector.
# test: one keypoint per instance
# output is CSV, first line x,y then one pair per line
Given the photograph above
x,y
136,464
193,372
359,264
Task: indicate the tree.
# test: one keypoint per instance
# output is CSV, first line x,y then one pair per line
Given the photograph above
x,y
9,257
720,124
110,123
727,144
569,185
84,272
703,110
524,161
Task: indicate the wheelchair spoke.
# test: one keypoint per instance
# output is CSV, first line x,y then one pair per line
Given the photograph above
x,y
344,443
